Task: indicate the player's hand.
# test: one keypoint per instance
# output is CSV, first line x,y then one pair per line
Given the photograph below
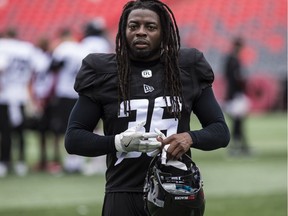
x,y
179,144
134,140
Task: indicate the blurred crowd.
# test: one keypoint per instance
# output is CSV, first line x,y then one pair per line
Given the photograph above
x,y
36,93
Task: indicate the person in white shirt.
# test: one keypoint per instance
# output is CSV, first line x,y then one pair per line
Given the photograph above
x,y
17,68
95,37
68,53
42,90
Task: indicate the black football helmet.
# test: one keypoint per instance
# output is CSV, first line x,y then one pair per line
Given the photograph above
x,y
170,190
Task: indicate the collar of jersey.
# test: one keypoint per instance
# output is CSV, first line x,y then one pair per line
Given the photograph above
x,y
145,64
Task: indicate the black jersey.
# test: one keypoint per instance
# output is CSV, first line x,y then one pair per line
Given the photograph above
x,y
97,84
98,80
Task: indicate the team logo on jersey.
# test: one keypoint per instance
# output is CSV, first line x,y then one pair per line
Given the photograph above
x,y
148,88
146,73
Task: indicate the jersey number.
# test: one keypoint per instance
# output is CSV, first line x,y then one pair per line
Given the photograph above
x,y
141,107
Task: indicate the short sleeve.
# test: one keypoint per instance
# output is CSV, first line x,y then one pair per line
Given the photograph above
x,y
86,76
196,74
203,70
96,74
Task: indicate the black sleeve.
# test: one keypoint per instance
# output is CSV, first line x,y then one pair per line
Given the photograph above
x,y
215,133
79,137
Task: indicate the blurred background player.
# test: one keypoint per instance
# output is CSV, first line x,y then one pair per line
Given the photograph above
x,y
68,53
17,68
42,91
237,104
95,40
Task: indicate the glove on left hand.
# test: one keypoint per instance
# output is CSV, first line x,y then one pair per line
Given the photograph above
x,y
134,140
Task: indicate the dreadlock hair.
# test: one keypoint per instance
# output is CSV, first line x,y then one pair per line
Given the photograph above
x,y
170,48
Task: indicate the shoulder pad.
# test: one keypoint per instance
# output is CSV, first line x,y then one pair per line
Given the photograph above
x,y
193,62
94,69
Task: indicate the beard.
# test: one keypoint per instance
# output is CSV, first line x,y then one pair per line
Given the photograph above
x,y
144,54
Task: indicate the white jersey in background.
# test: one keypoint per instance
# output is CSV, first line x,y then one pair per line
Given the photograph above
x,y
70,53
17,70
95,44
43,79
17,67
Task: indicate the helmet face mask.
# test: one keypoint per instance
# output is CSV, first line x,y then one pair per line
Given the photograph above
x,y
172,191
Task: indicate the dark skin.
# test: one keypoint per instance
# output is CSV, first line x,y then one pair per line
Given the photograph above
x,y
179,144
143,35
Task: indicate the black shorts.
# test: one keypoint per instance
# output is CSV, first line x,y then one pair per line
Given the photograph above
x,y
61,108
123,204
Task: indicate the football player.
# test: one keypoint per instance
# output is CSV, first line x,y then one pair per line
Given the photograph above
x,y
17,68
68,54
237,104
149,83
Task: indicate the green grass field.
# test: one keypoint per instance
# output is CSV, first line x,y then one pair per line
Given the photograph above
x,y
234,186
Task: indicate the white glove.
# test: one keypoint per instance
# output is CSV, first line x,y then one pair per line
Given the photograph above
x,y
134,140
164,150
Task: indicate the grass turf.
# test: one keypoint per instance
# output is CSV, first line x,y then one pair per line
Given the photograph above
x,y
234,186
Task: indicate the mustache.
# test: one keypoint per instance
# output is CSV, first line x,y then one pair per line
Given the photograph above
x,y
140,41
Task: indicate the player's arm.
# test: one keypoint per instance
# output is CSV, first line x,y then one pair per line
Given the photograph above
x,y
79,137
215,133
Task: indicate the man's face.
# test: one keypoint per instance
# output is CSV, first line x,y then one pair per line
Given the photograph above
x,y
143,34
